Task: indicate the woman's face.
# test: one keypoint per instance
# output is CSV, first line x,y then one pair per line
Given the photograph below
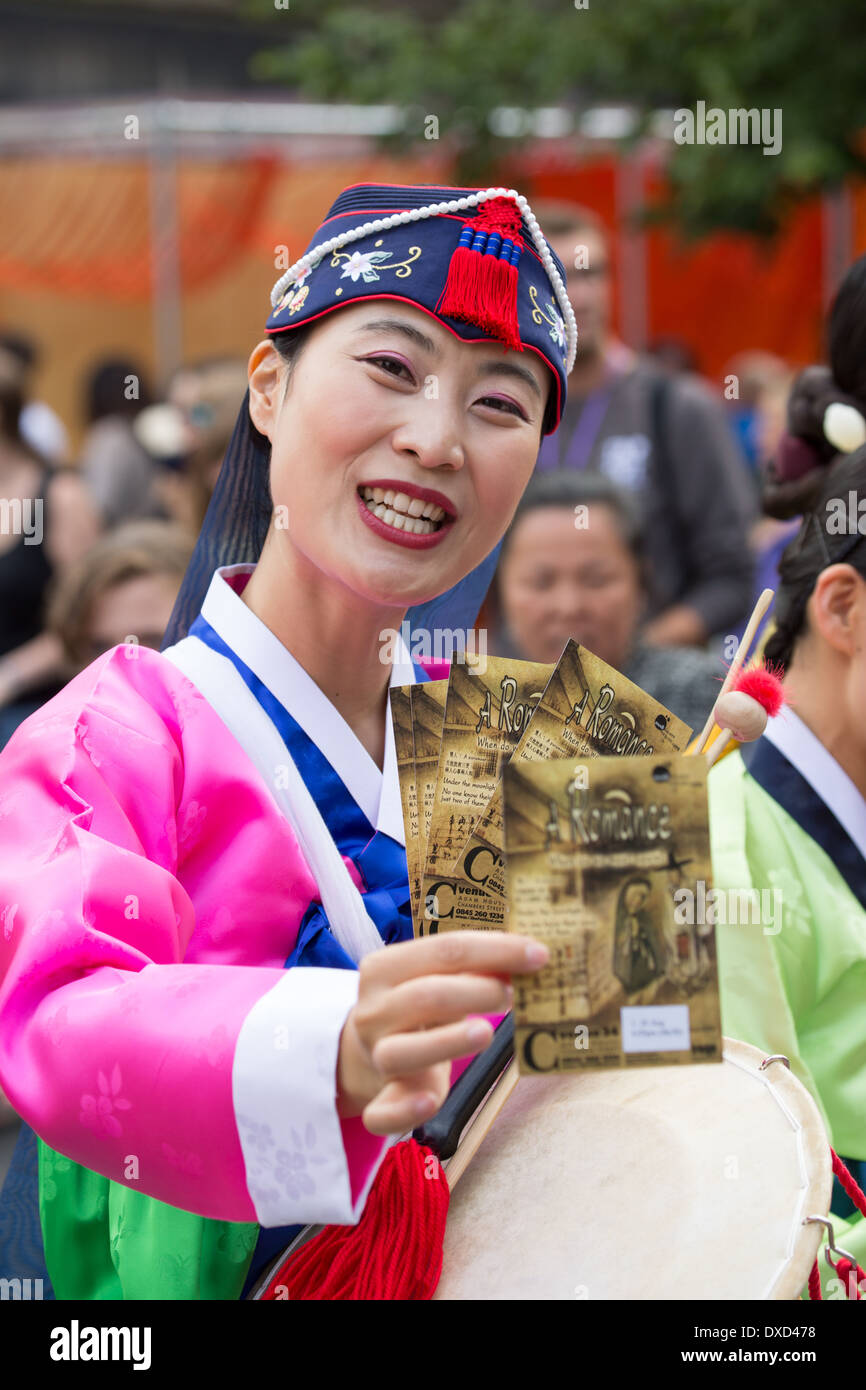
x,y
558,581
388,417
136,609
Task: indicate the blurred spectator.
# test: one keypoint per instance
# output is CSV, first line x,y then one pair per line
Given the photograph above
x,y
46,523
39,425
206,396
117,469
582,573
663,438
757,413
757,410
674,355
123,590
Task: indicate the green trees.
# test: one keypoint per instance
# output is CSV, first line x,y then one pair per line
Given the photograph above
x,y
456,61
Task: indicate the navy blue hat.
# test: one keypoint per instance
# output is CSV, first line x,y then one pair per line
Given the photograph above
x,y
473,258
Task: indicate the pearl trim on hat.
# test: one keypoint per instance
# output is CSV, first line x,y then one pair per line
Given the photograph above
x,y
456,205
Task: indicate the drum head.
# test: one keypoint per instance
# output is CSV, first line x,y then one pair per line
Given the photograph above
x,y
652,1183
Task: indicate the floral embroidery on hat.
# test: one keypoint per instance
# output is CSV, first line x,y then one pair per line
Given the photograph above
x,y
362,264
554,318
297,291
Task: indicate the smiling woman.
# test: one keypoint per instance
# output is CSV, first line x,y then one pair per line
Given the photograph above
x,y
205,849
385,408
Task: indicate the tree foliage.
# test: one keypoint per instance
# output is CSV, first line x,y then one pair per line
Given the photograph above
x,y
460,59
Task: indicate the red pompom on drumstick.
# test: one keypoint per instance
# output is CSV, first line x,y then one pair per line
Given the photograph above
x,y
754,696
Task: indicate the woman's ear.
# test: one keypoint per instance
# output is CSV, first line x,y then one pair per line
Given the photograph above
x,y
266,371
838,608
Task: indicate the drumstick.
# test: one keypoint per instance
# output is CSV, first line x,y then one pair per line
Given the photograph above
x,y
443,1132
471,1142
748,637
720,746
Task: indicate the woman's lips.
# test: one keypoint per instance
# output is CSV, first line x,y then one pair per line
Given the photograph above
x,y
413,491
384,526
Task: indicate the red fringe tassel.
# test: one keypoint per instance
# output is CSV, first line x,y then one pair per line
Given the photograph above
x,y
395,1251
481,288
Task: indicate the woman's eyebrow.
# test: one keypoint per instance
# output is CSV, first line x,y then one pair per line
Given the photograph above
x,y
421,340
511,369
400,326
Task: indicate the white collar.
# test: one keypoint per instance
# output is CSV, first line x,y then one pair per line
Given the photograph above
x,y
377,793
805,751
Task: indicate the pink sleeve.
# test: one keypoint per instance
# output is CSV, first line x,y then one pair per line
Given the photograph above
x,y
113,1049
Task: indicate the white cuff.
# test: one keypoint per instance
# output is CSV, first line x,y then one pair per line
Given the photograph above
x,y
284,1091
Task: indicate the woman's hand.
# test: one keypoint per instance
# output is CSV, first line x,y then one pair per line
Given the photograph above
x,y
410,1021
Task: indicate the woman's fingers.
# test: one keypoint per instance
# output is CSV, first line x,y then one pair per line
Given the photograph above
x,y
411,1020
430,1000
454,952
406,1054
406,1102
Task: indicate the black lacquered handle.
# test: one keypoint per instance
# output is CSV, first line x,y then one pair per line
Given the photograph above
x,y
442,1133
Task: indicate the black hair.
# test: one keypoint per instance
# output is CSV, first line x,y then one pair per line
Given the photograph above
x,y
21,348
816,387
846,332
569,488
11,405
12,402
290,345
107,393
820,542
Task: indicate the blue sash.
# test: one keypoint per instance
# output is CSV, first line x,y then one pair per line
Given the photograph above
x,y
789,789
380,860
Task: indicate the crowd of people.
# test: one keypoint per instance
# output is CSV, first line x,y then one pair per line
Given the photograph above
x,y
93,547
649,484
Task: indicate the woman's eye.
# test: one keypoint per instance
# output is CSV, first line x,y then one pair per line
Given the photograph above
x,y
387,363
508,407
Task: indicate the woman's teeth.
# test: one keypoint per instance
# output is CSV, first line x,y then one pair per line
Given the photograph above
x,y
402,512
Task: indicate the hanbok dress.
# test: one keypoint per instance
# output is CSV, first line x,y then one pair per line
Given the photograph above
x,y
785,817
153,892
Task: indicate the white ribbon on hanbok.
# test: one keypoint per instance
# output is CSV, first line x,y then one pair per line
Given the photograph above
x,y
222,685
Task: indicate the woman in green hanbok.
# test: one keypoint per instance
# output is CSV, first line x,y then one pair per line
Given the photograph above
x,y
788,812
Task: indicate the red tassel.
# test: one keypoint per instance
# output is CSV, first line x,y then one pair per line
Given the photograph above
x,y
481,288
395,1251
849,1183
459,298
763,683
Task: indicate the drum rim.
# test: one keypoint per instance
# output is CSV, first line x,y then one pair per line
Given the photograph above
x,y
799,1106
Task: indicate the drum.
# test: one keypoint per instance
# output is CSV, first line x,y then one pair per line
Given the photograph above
x,y
651,1183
